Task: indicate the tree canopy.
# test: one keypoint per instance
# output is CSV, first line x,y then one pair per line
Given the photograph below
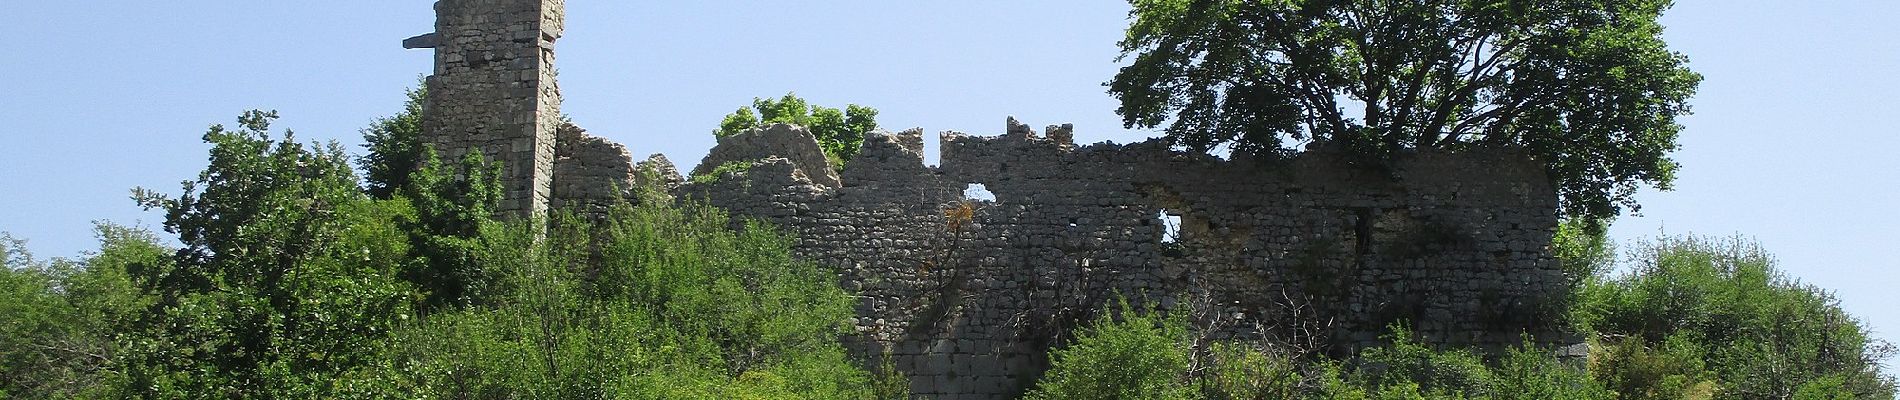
x,y
1588,87
839,133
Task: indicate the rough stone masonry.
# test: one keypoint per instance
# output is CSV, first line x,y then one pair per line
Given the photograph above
x,y
966,295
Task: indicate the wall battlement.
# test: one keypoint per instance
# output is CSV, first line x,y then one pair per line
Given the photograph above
x,y
967,295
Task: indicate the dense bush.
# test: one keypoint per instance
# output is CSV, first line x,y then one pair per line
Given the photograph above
x,y
674,305
1697,310
59,318
1138,356
1692,318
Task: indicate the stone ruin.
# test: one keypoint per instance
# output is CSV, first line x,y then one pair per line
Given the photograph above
x,y
965,294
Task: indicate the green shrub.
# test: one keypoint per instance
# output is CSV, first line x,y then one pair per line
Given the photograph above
x,y
1761,334
721,171
1140,355
1406,361
655,302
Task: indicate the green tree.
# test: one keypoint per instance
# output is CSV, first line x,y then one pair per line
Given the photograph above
x,y
840,133
453,203
1589,88
395,147
287,278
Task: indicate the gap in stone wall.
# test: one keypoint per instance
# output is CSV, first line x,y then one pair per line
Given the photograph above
x,y
1170,225
978,192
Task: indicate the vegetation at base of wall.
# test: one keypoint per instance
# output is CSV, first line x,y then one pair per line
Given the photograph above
x,y
723,170
1693,318
293,281
840,133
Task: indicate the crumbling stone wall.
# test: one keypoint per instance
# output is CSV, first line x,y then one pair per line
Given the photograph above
x,y
494,91
968,296
590,173
794,143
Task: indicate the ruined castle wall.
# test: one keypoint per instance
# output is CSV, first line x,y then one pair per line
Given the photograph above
x,y
591,174
493,91
968,296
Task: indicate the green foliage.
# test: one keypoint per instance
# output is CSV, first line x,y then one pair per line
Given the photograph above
x,y
1584,250
294,282
1587,87
1761,334
1145,356
395,147
1140,355
1634,370
31,320
454,206
1247,372
840,133
657,301
721,171
286,280
60,319
1528,373
14,254
1438,374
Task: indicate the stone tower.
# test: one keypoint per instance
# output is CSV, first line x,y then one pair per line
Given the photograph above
x,y
494,91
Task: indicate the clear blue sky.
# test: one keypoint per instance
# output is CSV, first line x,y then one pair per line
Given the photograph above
x,y
1792,142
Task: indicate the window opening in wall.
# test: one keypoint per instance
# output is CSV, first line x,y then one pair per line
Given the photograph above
x,y
978,192
1170,226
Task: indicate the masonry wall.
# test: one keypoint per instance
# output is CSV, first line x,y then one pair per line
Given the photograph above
x,y
968,296
493,91
591,174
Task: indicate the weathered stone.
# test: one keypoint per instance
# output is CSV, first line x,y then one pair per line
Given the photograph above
x,y
423,41
1296,244
472,104
792,142
967,296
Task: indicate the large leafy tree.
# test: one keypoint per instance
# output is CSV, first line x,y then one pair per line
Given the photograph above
x,y
286,278
1588,87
